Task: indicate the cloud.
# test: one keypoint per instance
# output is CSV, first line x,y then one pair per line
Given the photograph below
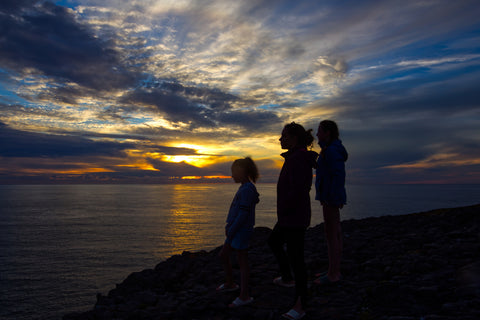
x,y
199,107
16,143
48,41
391,94
83,157
14,6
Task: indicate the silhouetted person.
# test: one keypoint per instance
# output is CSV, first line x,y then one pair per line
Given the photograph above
x,y
294,213
239,228
330,190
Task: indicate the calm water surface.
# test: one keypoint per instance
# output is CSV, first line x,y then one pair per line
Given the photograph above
x,y
60,245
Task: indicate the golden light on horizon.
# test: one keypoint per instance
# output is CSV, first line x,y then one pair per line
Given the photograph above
x,y
204,177
217,177
67,171
191,177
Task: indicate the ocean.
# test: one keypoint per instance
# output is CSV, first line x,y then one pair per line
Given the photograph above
x,y
60,245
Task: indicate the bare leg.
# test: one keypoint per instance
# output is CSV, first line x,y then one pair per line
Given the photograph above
x,y
333,233
227,265
244,274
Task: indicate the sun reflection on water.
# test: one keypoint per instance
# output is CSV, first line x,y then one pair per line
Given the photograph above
x,y
193,222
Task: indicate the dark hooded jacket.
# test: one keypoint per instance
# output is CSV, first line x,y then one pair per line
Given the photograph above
x,y
293,188
330,179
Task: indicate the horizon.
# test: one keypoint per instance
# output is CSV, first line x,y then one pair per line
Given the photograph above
x,y
101,92
225,181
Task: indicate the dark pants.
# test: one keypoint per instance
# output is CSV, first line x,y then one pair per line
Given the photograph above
x,y
293,259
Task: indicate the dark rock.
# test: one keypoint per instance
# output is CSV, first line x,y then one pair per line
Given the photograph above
x,y
418,266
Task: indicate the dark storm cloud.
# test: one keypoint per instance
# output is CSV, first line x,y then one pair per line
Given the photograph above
x,y
15,143
389,145
47,38
200,107
64,94
171,105
13,6
253,120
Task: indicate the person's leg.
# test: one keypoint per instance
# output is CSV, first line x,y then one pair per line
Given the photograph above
x,y
333,234
227,265
276,240
244,273
296,253
340,243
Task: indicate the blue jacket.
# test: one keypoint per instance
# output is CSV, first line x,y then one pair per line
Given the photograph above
x,y
242,210
330,180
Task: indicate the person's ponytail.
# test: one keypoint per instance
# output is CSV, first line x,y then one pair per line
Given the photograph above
x,y
252,170
304,137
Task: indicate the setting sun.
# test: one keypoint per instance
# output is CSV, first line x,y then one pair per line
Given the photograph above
x,y
197,161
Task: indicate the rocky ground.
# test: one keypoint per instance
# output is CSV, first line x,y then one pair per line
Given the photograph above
x,y
417,266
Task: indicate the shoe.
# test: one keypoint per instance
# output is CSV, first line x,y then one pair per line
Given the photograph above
x,y
320,274
324,281
279,281
239,302
223,288
293,315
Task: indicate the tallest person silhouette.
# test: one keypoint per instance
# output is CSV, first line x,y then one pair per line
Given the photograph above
x,y
293,213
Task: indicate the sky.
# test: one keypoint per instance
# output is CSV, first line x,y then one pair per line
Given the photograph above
x,y
113,91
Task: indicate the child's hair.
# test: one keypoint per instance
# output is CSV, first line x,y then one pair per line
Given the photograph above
x,y
304,137
330,126
249,166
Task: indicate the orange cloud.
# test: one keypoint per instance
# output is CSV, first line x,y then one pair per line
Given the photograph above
x,y
437,160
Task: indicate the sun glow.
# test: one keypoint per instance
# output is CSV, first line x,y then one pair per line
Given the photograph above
x,y
197,161
205,156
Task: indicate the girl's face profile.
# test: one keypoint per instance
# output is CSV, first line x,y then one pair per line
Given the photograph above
x,y
287,141
239,174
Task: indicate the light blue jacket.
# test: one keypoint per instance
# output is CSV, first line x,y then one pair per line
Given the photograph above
x,y
242,210
330,180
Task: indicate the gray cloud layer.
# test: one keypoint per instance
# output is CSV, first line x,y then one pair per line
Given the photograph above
x,y
46,38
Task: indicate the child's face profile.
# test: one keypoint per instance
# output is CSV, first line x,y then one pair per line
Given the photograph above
x,y
238,174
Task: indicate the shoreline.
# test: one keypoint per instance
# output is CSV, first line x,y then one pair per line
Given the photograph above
x,y
415,266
